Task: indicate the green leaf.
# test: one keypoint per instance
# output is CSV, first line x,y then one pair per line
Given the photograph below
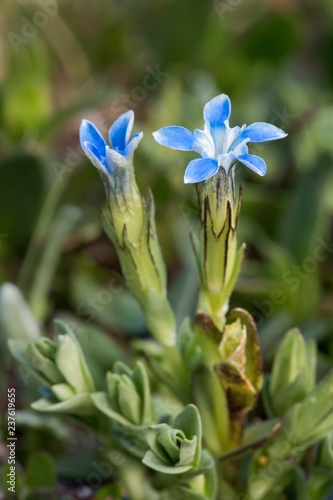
x,y
109,492
313,418
101,401
100,350
62,391
141,381
40,472
299,485
211,480
127,398
263,484
294,370
306,422
189,422
70,360
81,404
152,461
320,481
189,348
43,365
200,484
16,319
289,394
290,361
177,449
301,225
261,430
18,349
21,175
325,453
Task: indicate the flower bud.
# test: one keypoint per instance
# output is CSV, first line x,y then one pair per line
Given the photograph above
x,y
177,449
127,400
293,374
61,367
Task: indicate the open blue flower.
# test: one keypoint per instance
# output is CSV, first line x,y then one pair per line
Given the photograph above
x,y
218,144
107,159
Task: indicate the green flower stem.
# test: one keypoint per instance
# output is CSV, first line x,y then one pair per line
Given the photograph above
x,y
40,232
61,228
236,429
180,373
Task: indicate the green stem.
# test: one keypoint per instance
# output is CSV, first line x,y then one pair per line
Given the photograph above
x,y
60,229
179,372
236,429
39,234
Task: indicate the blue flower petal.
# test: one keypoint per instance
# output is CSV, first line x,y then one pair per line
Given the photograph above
x,y
115,160
217,111
133,144
227,160
261,131
90,134
200,169
94,156
204,144
120,131
253,162
175,138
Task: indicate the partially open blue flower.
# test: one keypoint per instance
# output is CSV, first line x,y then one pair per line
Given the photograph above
x,y
218,144
104,157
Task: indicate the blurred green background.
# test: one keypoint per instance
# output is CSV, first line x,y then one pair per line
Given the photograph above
x,y
61,61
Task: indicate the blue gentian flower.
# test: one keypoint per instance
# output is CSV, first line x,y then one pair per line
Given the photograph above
x,y
218,144
107,159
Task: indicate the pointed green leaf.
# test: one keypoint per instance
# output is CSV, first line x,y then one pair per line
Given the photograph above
x,y
40,471
81,404
153,462
62,391
43,365
101,401
70,360
289,394
141,381
16,319
189,422
290,360
129,400
189,348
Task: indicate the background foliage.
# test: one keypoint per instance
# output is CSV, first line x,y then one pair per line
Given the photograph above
x,y
164,60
